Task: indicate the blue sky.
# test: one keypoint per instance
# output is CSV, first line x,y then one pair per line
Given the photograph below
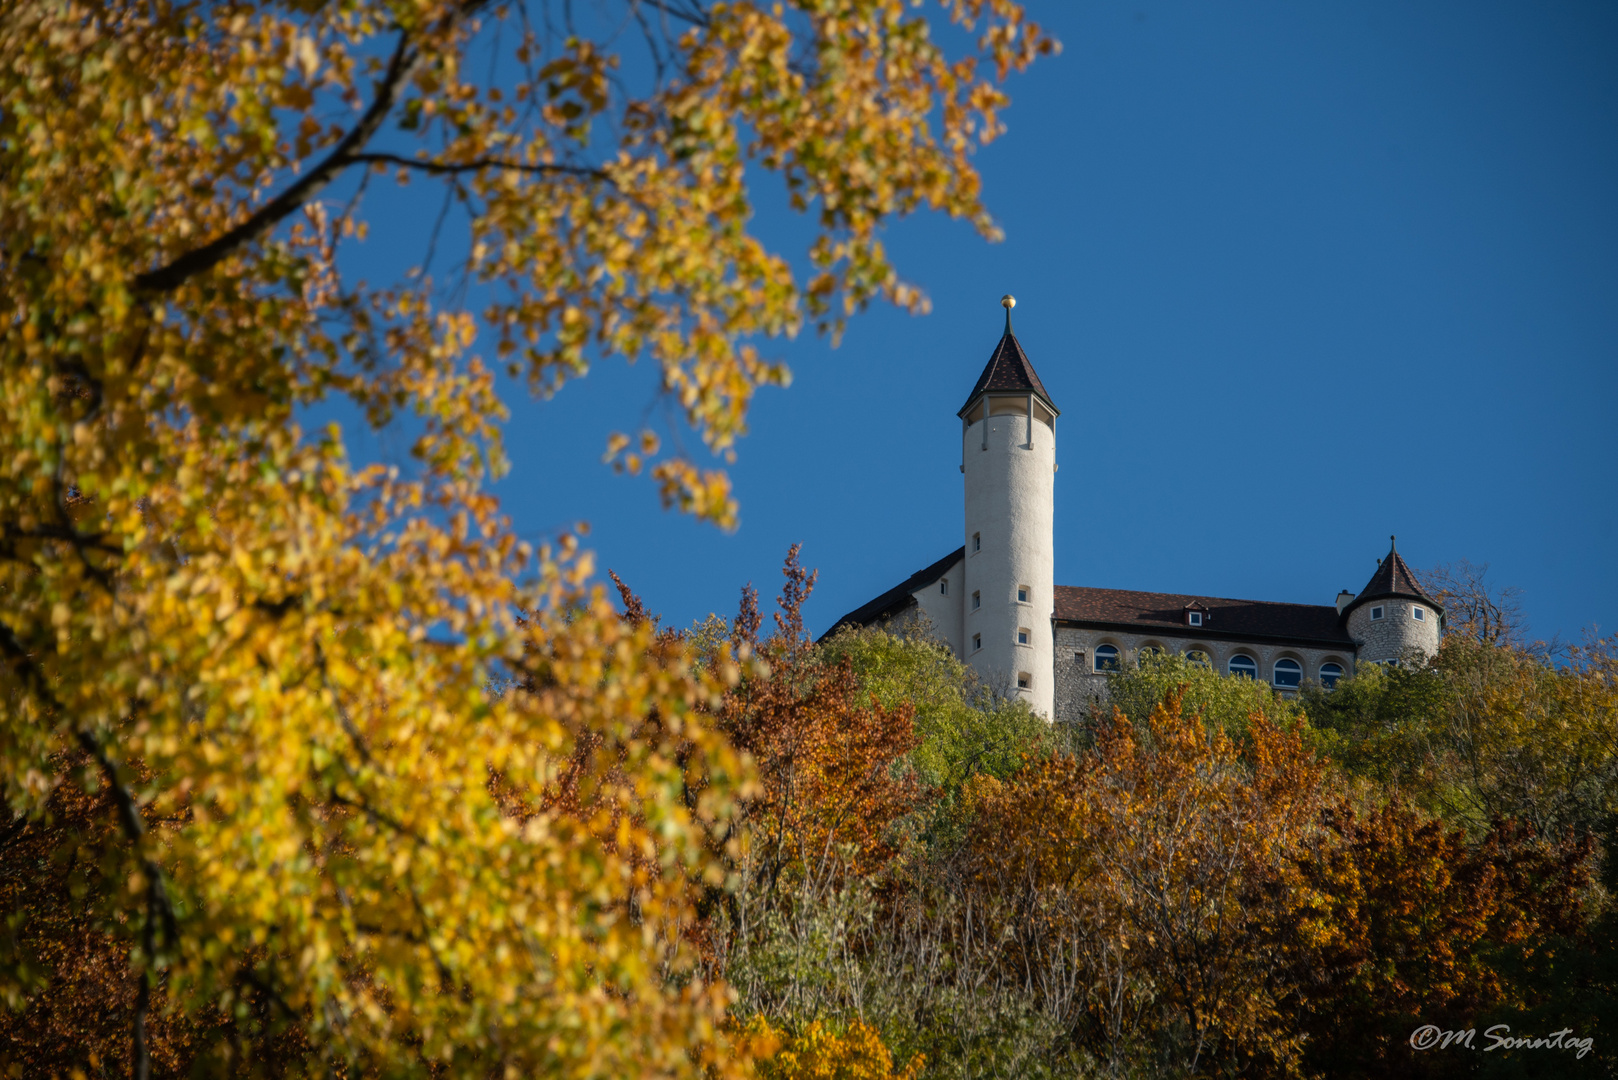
x,y
1298,276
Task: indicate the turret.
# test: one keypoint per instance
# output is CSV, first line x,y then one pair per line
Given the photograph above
x,y
1393,618
1008,456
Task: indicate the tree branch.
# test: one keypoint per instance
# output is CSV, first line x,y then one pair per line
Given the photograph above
x,y
444,168
401,67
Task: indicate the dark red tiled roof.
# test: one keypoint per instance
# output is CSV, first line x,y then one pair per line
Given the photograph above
x,y
899,597
1143,612
1009,370
1393,578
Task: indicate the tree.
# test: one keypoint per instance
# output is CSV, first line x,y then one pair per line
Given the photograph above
x,y
1140,882
285,669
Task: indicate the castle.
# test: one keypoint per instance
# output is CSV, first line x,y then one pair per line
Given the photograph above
x,y
996,603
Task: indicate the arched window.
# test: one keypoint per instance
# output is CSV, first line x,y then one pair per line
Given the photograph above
x,y
1107,658
1197,656
1145,654
1329,674
1288,672
1243,666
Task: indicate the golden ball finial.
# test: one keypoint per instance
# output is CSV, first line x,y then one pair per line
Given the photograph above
x,y
1008,301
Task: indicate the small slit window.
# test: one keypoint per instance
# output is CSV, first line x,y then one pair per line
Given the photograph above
x,y
977,600
1376,613
1418,613
943,586
977,642
1329,674
1022,635
1024,680
977,543
1107,658
1288,673
1022,594
1243,666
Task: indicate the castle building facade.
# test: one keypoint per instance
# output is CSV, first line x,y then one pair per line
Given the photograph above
x,y
995,601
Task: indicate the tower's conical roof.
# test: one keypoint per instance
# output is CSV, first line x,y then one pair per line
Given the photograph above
x,y
1392,578
1009,371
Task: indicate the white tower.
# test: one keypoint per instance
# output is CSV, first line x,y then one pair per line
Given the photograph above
x,y
1008,453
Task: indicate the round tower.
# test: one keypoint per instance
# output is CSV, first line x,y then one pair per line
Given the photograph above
x,y
1008,456
1392,618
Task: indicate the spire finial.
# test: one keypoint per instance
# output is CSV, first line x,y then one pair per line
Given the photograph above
x,y
1008,302
1393,543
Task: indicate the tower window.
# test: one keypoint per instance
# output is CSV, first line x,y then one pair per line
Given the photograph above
x,y
943,587
1288,673
1107,658
1376,612
1194,618
977,600
1022,635
1022,594
1024,680
1243,666
977,543
1418,613
977,642
1329,674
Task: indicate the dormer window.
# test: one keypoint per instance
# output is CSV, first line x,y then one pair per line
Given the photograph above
x,y
1376,613
1022,594
1194,618
1196,613
1418,613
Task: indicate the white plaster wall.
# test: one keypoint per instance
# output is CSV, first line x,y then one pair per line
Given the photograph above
x,y
1010,503
944,611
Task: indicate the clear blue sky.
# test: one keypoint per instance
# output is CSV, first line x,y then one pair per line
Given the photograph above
x,y
1299,276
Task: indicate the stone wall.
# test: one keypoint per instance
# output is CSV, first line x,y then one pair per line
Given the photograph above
x,y
1396,635
1078,685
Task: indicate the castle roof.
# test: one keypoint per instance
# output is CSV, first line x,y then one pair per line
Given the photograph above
x,y
1392,579
1244,620
1009,371
899,597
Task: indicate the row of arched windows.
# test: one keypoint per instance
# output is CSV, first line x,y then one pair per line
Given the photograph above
x,y
1285,673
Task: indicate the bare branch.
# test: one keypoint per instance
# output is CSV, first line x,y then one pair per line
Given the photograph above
x,y
450,168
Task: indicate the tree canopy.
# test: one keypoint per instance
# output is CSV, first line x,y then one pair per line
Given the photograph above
x,y
374,767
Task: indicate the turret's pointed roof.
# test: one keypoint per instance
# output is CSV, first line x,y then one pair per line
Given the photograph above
x,y
1009,371
1392,578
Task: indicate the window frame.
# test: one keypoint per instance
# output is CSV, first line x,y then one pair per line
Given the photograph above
x,y
977,542
1296,669
1113,662
1244,673
1418,613
1023,594
977,599
1025,637
1377,612
977,642
1193,618
943,586
1025,680
1335,676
